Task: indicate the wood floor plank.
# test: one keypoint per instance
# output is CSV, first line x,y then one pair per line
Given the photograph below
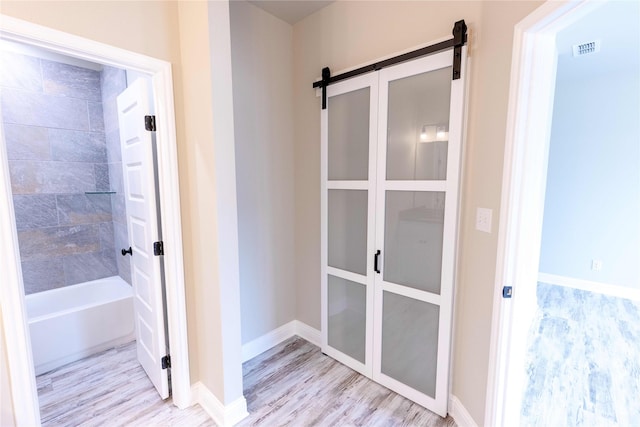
x,y
293,384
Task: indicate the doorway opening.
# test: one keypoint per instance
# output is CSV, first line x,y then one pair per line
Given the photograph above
x,y
75,218
72,222
583,361
565,346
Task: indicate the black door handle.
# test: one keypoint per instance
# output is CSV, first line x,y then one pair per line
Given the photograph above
x,y
125,252
375,262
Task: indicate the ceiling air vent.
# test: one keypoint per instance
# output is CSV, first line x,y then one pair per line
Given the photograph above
x,y
586,48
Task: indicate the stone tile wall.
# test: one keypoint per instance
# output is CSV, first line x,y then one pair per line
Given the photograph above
x,y
57,150
113,81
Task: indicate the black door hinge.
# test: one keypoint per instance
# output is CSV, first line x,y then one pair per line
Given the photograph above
x,y
166,362
158,248
150,123
326,77
507,292
459,40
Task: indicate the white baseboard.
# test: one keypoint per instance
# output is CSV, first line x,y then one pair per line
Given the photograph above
x,y
237,410
224,416
590,286
308,333
275,337
268,340
459,413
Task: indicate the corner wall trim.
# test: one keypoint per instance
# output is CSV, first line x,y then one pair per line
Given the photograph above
x,y
459,413
224,416
276,336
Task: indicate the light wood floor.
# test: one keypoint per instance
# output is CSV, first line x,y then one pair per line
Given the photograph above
x,y
293,384
108,389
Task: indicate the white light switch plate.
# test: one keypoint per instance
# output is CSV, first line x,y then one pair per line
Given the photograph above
x,y
483,219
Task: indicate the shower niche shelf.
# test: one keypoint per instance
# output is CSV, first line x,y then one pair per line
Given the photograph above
x,y
99,192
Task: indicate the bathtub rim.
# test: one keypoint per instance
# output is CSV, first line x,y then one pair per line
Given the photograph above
x,y
65,289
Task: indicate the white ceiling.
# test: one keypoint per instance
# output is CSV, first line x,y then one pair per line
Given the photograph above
x,y
291,11
617,25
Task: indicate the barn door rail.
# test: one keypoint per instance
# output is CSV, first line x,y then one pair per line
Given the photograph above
x,y
459,39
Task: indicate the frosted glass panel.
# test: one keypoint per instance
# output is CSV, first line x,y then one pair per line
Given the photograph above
x,y
347,225
410,341
347,316
349,135
418,126
413,239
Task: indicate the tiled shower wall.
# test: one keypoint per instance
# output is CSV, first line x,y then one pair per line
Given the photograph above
x,y
56,146
113,81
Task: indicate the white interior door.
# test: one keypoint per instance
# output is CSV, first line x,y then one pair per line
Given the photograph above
x,y
419,141
143,227
390,166
348,229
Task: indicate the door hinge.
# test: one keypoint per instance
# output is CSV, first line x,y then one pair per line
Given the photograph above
x,y
507,292
459,39
150,123
158,248
166,362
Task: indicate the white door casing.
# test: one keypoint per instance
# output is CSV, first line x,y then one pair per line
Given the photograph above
x,y
143,228
376,185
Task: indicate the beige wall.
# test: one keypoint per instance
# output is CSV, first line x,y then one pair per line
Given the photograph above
x,y
196,176
263,115
148,27
482,188
346,34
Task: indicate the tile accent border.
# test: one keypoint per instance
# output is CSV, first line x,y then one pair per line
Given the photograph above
x,y
223,416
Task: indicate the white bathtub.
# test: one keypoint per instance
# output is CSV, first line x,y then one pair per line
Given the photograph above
x,y
71,323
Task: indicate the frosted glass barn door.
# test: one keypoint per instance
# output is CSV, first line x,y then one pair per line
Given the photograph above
x,y
348,201
419,138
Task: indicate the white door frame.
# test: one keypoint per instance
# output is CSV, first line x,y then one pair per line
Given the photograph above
x,y
18,347
533,77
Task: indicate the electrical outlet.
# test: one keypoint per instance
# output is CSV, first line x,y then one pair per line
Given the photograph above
x,y
483,219
596,264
